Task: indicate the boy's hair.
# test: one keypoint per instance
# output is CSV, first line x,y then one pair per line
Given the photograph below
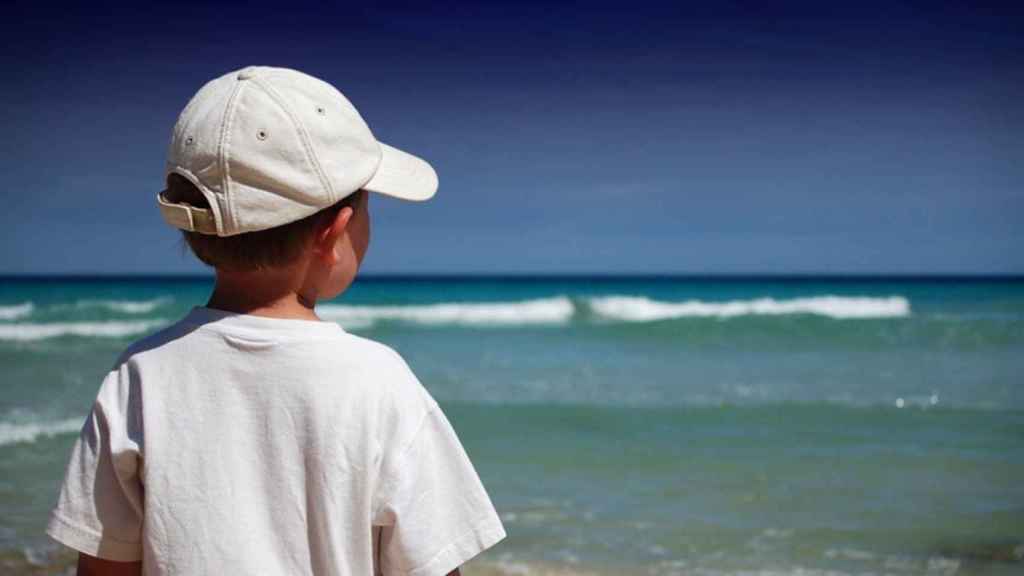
x,y
270,248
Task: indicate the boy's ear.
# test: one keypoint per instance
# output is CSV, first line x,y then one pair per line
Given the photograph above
x,y
330,231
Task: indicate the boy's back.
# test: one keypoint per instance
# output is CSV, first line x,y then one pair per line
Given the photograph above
x,y
272,446
251,437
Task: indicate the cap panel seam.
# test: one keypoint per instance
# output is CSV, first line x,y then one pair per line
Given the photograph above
x,y
223,148
303,135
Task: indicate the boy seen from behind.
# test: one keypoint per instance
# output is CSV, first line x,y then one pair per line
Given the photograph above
x,y
250,436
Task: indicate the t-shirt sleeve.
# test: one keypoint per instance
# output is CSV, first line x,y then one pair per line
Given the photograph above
x,y
99,508
433,510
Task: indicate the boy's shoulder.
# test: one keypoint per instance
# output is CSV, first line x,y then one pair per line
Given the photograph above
x,y
170,340
363,359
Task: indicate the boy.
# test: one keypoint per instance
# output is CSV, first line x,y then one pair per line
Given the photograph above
x,y
250,437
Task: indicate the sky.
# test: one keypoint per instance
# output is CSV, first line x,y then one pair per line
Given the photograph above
x,y
619,138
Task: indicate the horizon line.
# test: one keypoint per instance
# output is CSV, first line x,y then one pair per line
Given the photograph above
x,y
696,276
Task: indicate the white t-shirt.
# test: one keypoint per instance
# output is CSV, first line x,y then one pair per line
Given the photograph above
x,y
238,444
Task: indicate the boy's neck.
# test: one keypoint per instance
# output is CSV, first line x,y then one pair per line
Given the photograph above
x,y
261,294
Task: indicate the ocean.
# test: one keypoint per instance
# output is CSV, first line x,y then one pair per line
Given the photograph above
x,y
636,425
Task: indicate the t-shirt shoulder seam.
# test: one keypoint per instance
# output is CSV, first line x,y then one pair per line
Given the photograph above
x,y
387,479
418,429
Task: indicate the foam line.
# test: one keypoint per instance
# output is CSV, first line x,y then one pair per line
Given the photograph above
x,y
15,311
643,309
28,331
126,306
31,431
555,310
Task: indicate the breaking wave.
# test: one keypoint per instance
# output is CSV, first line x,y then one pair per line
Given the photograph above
x,y
18,311
28,331
11,433
126,306
551,311
15,311
621,308
643,309
555,310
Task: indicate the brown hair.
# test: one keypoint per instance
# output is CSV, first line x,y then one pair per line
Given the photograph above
x,y
271,248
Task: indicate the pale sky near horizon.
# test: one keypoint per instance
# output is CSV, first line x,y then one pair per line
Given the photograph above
x,y
625,138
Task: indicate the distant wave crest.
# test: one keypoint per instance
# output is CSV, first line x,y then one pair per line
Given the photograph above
x,y
643,309
18,311
555,310
11,433
550,311
27,331
126,306
621,308
15,311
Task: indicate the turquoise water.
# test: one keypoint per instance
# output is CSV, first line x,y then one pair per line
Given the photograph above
x,y
648,426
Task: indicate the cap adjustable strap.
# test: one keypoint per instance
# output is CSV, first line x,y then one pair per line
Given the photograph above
x,y
187,217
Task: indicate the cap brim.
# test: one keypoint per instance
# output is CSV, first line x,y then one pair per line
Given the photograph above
x,y
403,176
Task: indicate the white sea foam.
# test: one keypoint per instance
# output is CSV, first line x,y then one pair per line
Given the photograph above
x,y
11,433
555,310
643,309
26,331
126,306
16,311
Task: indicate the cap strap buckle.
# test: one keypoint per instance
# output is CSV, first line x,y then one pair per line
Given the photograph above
x,y
186,217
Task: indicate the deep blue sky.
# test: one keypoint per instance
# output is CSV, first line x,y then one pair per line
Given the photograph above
x,y
630,138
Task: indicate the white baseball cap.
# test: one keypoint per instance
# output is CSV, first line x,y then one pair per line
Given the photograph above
x,y
268,146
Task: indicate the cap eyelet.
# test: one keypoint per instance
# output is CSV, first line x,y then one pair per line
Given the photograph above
x,y
188,141
320,110
262,134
